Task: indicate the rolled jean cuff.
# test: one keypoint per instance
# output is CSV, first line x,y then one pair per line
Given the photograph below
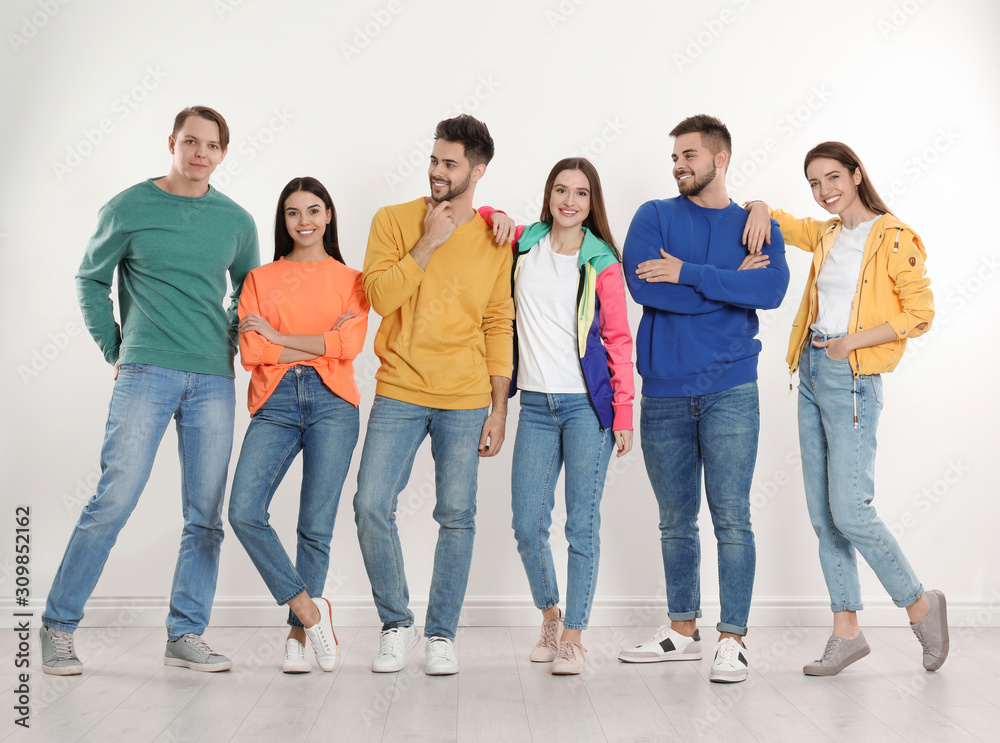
x,y
61,626
835,608
907,602
683,616
731,628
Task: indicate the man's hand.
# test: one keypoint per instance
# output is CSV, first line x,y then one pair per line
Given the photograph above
x,y
116,371
504,228
439,222
754,260
758,227
493,433
665,269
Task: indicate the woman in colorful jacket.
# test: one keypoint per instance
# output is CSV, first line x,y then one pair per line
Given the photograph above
x,y
867,293
302,322
573,364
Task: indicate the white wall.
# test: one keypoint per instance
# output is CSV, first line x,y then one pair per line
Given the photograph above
x,y
348,92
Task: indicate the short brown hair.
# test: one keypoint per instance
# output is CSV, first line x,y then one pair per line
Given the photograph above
x,y
469,132
714,133
204,112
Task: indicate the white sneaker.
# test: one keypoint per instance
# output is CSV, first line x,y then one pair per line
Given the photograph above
x,y
730,664
295,658
666,644
441,660
322,637
396,645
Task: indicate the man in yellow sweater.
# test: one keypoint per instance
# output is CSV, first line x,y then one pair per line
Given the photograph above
x,y
442,287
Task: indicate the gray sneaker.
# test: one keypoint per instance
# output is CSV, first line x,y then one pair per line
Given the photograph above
x,y
190,651
58,654
933,631
838,655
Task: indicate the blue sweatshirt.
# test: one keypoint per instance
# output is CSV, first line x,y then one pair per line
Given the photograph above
x,y
699,336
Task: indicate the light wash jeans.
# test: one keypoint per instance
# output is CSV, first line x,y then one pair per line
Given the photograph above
x,y
838,467
551,429
680,436
302,414
144,400
395,431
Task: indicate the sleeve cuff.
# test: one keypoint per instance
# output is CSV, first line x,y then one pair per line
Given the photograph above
x,y
333,344
271,354
690,274
622,420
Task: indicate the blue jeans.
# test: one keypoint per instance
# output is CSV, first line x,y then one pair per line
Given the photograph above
x,y
680,436
395,431
302,414
144,400
554,428
838,467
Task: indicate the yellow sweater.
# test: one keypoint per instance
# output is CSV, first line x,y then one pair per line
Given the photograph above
x,y
447,329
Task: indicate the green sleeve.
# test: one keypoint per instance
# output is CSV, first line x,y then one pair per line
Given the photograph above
x,y
247,259
104,252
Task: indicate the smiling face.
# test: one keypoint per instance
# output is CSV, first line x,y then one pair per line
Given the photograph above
x,y
197,149
834,187
449,173
306,218
695,166
569,199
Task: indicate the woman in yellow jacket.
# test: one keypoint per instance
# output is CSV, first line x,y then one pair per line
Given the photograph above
x,y
867,293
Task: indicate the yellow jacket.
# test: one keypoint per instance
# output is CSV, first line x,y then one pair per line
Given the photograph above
x,y
893,287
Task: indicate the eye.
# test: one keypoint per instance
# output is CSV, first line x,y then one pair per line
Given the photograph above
x,y
834,177
581,194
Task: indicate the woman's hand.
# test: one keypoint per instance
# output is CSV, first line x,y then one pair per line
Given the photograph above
x,y
758,227
623,439
837,349
349,315
258,324
754,260
504,228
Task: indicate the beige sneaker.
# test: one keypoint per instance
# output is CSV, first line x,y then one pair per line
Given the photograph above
x,y
570,659
548,643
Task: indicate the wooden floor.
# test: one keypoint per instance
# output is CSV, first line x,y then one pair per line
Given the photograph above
x,y
127,694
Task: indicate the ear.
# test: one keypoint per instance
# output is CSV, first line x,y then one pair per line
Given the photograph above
x,y
478,172
329,216
721,159
224,153
171,142
857,177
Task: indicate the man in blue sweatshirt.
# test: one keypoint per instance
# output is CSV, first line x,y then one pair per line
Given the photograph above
x,y
686,265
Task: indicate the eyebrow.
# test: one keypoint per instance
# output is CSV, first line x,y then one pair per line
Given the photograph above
x,y
182,135
563,185
295,208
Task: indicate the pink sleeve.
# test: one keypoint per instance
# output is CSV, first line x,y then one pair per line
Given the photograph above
x,y
487,212
618,343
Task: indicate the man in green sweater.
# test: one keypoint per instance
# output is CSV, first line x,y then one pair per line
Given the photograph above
x,y
171,240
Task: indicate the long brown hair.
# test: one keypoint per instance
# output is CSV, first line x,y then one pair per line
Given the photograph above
x,y
597,220
283,242
849,159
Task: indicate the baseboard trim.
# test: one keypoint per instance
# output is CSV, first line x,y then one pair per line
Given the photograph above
x,y
639,611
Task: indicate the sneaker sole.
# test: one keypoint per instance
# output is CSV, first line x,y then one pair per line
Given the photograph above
x,y
661,658
296,669
67,671
206,667
831,671
719,678
441,673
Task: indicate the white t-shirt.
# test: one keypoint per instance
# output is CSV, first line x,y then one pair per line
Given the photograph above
x,y
837,282
545,293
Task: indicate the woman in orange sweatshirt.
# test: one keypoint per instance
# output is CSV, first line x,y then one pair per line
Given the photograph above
x,y
303,320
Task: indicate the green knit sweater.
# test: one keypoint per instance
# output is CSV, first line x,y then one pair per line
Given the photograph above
x,y
172,254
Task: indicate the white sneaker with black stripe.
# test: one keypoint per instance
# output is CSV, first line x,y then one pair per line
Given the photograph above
x,y
730,664
666,644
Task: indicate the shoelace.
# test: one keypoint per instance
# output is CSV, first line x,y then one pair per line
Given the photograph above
x,y
197,643
832,645
728,650
438,647
389,638
660,633
566,650
921,632
63,644
548,638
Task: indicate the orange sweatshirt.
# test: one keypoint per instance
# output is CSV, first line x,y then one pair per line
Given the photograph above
x,y
304,299
447,329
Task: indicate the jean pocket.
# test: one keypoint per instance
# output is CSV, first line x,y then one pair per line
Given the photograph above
x,y
826,350
132,368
